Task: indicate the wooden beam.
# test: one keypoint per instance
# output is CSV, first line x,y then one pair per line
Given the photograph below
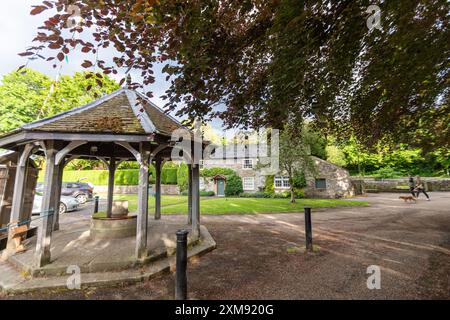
x,y
142,210
158,166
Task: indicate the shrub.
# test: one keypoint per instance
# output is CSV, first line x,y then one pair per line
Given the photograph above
x,y
233,186
207,194
269,184
169,176
386,173
211,172
182,177
202,193
255,195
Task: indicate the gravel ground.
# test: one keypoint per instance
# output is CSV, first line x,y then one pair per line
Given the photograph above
x,y
262,256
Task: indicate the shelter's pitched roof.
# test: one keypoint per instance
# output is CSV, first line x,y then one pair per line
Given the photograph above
x,y
120,112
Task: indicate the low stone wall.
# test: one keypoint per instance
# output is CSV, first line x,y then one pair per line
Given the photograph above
x,y
169,189
399,184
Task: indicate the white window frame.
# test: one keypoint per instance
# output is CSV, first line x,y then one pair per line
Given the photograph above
x,y
244,166
246,187
283,182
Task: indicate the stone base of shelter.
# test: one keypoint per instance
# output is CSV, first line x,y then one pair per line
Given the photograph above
x,y
100,261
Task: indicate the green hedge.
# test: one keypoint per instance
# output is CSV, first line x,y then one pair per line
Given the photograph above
x,y
124,177
215,171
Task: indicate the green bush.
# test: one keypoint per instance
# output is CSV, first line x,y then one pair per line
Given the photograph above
x,y
124,177
273,195
269,184
233,186
211,172
202,193
255,195
182,177
387,173
298,180
169,175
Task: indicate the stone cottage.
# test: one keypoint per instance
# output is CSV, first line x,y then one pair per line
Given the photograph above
x,y
328,181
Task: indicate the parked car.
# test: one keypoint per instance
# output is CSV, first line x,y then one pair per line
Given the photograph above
x,y
67,203
83,191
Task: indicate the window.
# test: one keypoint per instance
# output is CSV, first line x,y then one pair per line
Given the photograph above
x,y
282,182
201,164
321,183
248,183
247,164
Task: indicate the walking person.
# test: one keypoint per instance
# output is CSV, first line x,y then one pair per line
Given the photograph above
x,y
420,188
412,186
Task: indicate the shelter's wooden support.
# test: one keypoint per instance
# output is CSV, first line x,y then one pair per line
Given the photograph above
x,y
195,201
45,226
158,166
58,185
111,171
189,194
62,153
142,214
20,183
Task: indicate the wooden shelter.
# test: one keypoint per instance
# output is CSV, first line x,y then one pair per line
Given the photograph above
x,y
121,126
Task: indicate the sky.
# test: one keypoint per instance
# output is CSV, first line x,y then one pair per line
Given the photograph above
x,y
17,30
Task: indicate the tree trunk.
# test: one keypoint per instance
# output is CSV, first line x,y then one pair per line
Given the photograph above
x,y
292,196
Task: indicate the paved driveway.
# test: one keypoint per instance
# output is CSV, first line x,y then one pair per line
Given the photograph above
x,y
256,256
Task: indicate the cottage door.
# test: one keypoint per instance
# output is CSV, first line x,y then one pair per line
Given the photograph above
x,y
220,187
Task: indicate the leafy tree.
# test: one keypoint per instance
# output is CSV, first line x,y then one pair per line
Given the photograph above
x,y
295,155
25,95
335,155
268,62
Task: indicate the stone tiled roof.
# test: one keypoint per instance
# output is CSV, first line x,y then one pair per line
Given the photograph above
x,y
120,112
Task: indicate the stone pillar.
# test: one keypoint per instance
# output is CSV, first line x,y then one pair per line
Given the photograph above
x,y
189,193
158,166
142,207
195,201
111,172
45,224
58,185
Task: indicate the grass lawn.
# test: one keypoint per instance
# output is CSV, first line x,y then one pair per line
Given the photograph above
x,y
213,205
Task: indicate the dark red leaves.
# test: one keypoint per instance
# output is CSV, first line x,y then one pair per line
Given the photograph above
x,y
60,56
26,54
86,64
37,9
85,49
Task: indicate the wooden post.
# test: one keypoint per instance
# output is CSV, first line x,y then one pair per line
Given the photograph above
x,y
18,193
195,201
142,210
189,194
111,172
20,183
158,166
45,225
58,185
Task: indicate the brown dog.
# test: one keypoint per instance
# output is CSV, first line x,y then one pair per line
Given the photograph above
x,y
407,198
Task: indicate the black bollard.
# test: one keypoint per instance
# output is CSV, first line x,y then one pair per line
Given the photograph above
x,y
95,204
308,229
181,277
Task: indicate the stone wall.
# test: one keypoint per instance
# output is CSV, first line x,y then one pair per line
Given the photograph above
x,y
169,189
400,184
338,183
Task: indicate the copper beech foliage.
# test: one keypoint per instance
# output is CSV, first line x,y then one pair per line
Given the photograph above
x,y
267,62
